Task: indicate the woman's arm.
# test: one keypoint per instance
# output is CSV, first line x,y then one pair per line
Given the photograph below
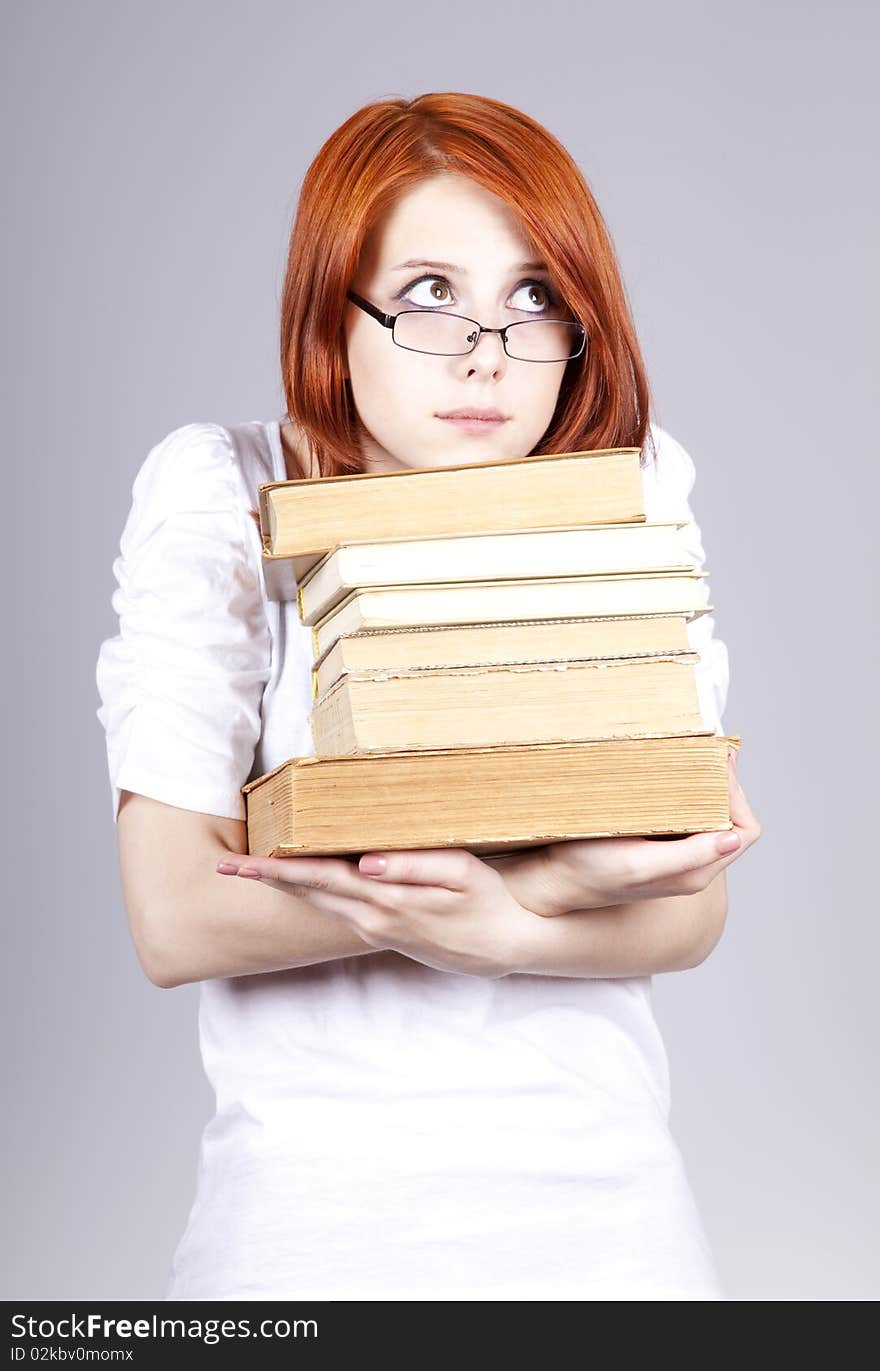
x,y
664,904
640,938
442,907
189,924
448,909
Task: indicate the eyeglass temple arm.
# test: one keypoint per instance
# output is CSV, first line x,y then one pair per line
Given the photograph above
x,y
386,320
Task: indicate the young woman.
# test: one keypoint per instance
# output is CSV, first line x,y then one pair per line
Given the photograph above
x,y
442,1079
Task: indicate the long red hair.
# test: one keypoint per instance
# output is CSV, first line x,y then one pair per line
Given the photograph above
x,y
362,168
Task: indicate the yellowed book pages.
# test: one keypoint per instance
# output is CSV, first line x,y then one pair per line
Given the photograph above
x,y
498,644
490,800
483,602
302,520
491,706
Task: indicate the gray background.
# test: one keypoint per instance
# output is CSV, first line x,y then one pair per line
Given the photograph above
x,y
153,159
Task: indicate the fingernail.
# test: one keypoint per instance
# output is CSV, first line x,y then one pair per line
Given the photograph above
x,y
227,868
729,842
248,871
372,866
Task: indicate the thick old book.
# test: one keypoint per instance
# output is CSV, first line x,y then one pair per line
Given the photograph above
x,y
490,800
456,645
486,706
485,602
589,550
301,520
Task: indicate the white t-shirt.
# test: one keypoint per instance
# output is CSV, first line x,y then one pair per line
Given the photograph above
x,y
383,1130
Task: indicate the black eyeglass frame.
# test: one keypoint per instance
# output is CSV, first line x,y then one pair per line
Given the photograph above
x,y
389,320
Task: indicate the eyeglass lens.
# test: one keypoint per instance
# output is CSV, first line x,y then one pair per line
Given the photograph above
x,y
533,340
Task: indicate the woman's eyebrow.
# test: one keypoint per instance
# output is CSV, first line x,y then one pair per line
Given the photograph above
x,y
462,271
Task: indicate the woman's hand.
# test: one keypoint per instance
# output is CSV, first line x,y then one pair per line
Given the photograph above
x,y
443,907
593,873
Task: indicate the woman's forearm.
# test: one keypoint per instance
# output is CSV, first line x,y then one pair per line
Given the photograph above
x,y
638,939
229,926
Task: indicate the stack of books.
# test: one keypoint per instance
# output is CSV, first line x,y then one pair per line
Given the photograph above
x,y
500,659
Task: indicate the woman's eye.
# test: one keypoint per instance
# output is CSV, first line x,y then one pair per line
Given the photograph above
x,y
434,295
537,296
545,296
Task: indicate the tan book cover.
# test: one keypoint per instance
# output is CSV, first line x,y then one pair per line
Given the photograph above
x,y
455,645
490,800
490,706
301,520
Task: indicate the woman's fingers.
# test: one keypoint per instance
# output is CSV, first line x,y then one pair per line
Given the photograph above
x,y
338,886
702,855
320,873
741,814
595,872
451,868
447,868
329,885
386,910
745,825
708,852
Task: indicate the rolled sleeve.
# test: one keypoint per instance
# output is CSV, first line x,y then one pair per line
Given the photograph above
x,y
182,681
671,485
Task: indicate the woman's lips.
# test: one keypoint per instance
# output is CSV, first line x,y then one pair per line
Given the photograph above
x,y
474,425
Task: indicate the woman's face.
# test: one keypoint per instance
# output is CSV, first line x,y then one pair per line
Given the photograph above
x,y
399,394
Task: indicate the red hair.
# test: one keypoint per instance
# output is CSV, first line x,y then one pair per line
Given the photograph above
x,y
373,157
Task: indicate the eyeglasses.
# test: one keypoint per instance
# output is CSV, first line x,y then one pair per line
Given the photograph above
x,y
452,335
